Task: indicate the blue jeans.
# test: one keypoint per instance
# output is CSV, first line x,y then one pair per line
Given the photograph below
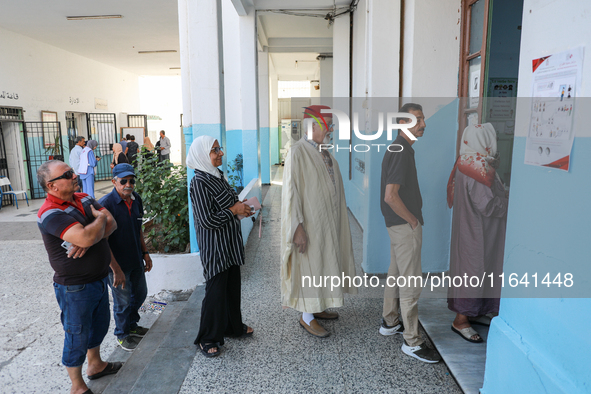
x,y
85,317
127,301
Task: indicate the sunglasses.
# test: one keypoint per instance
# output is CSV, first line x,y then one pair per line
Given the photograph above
x,y
217,150
124,181
66,175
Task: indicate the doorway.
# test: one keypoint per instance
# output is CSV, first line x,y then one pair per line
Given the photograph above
x,y
489,67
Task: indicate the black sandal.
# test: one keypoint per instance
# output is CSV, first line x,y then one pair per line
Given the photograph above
x,y
206,347
245,332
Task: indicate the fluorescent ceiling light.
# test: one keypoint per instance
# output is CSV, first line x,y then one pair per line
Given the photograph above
x,y
159,51
80,18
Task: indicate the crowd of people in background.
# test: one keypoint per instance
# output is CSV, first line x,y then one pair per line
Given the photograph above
x,y
84,160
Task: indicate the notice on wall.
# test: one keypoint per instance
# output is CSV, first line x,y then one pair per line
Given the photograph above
x,y
555,84
500,105
100,103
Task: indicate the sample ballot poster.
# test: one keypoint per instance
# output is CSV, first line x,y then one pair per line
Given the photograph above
x,y
555,84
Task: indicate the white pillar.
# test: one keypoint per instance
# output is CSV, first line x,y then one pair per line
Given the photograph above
x,y
201,76
264,129
248,86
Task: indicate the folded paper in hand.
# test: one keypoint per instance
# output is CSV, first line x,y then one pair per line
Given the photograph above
x,y
254,203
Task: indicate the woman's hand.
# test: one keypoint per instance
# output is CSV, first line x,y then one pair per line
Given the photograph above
x,y
241,209
112,166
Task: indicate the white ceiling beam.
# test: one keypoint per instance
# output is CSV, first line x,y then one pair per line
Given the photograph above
x,y
323,50
240,7
261,33
300,42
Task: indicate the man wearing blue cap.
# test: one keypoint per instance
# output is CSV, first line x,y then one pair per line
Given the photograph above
x,y
129,250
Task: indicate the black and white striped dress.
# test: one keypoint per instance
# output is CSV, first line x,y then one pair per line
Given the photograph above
x,y
219,235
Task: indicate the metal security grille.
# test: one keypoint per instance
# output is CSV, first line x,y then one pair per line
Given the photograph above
x,y
103,129
4,167
11,113
138,121
43,142
71,127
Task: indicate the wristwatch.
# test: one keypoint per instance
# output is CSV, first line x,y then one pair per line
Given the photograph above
x,y
143,253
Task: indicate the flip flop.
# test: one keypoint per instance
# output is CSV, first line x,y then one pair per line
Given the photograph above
x,y
110,369
207,346
480,320
467,333
89,391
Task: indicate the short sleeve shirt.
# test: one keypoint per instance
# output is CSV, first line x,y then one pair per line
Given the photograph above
x,y
399,168
125,242
57,216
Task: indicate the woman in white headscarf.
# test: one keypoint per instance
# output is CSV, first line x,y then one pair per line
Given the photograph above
x,y
478,230
86,168
219,237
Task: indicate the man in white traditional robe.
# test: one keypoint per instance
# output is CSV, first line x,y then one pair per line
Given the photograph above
x,y
315,233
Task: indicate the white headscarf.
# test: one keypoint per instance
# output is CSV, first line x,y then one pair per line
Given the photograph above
x,y
479,138
198,157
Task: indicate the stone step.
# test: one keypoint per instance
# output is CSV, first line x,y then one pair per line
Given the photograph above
x,y
162,359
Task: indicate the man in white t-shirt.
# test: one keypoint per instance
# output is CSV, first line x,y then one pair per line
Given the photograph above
x,y
75,157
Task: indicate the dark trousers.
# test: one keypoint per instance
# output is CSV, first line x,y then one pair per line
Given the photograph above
x,y
128,300
220,310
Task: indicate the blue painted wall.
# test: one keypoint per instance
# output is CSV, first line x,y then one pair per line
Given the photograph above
x,y
435,155
250,151
274,145
540,345
192,132
264,134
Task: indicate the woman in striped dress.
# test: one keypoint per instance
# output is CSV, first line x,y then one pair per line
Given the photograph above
x,y
215,209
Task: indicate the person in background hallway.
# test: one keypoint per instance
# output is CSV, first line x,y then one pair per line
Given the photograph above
x,y
401,205
132,149
479,219
75,228
118,156
123,143
315,232
164,146
215,209
86,167
148,144
75,157
149,147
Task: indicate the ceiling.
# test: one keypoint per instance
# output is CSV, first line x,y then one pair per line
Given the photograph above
x,y
148,25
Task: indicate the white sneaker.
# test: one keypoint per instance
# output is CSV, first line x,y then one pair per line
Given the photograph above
x,y
422,352
391,330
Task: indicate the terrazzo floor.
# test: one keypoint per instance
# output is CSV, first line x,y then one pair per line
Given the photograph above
x,y
282,357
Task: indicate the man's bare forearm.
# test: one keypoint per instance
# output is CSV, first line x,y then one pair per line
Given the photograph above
x,y
94,232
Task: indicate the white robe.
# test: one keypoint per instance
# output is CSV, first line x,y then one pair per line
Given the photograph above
x,y
309,197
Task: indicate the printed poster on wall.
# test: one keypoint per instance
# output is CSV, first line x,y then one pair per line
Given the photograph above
x,y
555,84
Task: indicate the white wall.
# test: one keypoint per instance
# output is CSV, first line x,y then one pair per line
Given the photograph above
x,y
431,48
232,67
46,78
340,51
326,70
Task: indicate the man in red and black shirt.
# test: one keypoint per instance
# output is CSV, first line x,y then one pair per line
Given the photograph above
x,y
74,228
